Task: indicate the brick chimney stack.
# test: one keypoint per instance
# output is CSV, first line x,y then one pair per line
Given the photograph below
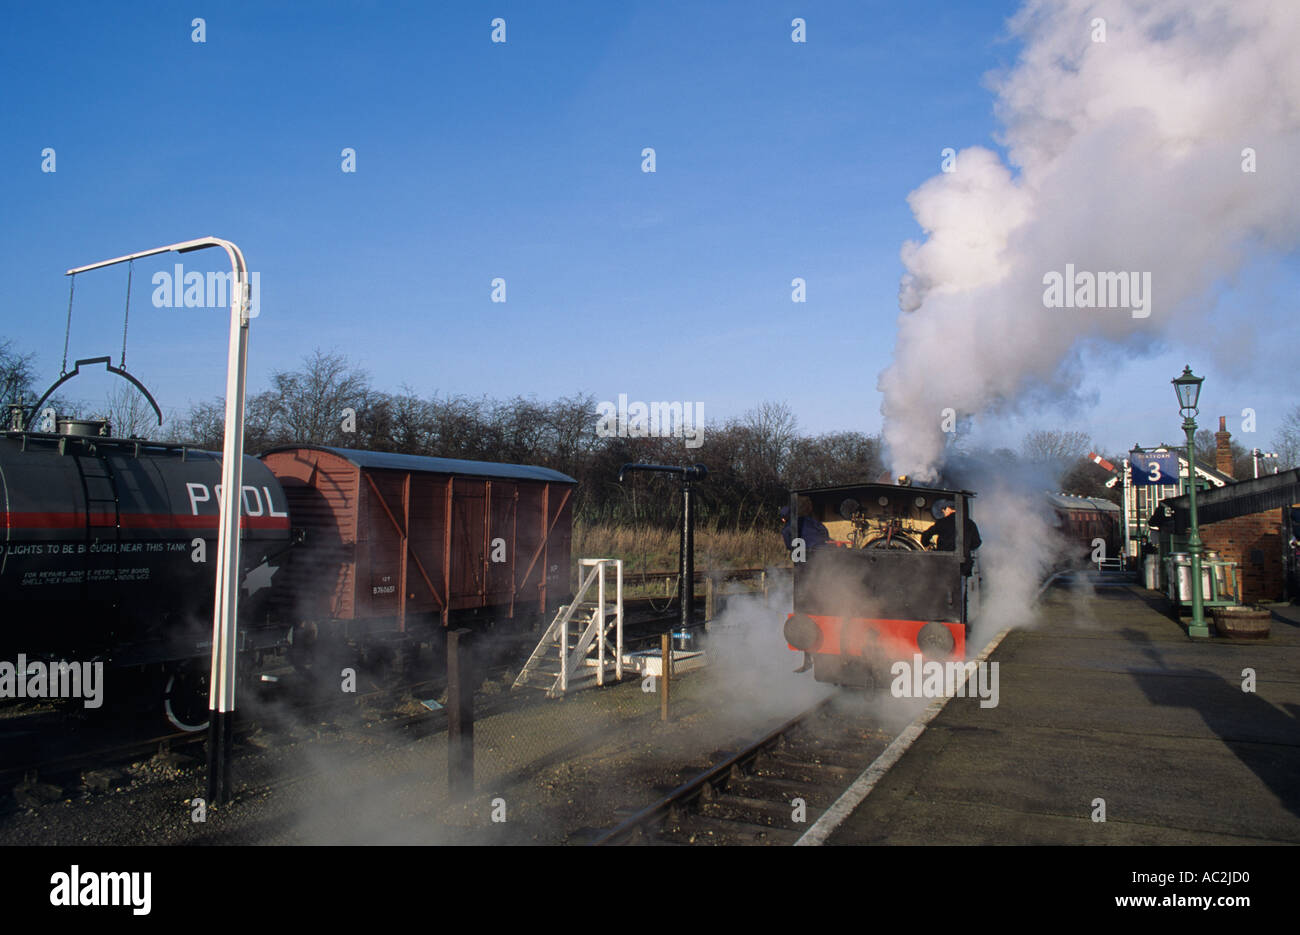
x,y
1223,448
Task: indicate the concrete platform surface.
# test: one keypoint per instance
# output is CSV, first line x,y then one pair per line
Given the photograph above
x,y
1107,703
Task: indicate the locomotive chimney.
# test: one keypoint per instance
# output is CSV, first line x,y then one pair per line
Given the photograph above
x,y
1223,448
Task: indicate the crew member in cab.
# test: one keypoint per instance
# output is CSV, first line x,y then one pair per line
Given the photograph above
x,y
813,533
945,529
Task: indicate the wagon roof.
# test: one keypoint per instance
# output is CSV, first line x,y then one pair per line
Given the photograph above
x,y
392,461
1071,502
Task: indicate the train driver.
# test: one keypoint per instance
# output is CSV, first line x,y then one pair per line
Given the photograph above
x,y
814,533
945,529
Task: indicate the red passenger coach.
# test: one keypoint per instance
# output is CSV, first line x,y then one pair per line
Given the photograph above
x,y
402,542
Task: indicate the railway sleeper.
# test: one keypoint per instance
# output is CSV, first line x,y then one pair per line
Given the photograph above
x,y
744,808
820,755
703,829
780,767
782,790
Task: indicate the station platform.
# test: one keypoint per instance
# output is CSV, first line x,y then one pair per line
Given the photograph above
x,y
1107,699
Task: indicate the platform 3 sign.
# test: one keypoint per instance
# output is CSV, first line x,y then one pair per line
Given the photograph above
x,y
1153,468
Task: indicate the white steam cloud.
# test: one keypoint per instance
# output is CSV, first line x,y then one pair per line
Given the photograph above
x,y
1125,155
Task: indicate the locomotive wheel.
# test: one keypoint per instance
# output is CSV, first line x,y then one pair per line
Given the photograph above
x,y
185,697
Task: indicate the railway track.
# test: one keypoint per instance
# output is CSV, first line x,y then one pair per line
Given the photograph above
x,y
771,791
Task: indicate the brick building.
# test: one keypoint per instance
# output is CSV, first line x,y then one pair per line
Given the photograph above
x,y
1247,522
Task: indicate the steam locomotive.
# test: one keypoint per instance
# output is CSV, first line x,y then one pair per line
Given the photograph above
x,y
874,595
109,552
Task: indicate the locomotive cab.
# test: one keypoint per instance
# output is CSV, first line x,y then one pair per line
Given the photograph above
x,y
875,594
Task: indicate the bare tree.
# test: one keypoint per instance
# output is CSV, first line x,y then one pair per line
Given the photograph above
x,y
460,428
835,458
1207,454
1287,441
408,420
572,425
769,433
130,414
17,371
1061,447
524,428
204,427
311,401
1086,478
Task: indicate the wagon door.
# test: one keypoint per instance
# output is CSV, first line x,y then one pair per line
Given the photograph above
x,y
542,545
558,570
425,576
503,521
381,540
530,537
469,546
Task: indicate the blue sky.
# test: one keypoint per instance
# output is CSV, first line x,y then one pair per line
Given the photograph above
x,y
521,160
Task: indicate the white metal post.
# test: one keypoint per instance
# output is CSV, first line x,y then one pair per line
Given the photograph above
x,y
600,624
221,696
618,637
564,655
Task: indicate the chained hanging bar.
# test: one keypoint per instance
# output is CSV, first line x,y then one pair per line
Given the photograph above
x,y
67,332
126,316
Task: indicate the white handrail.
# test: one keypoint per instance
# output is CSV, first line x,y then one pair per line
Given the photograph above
x,y
598,568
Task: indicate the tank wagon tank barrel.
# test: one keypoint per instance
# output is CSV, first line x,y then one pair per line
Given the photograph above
x,y
107,543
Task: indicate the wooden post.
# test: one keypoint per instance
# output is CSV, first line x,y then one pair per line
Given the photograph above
x,y
404,537
708,598
460,716
666,660
762,577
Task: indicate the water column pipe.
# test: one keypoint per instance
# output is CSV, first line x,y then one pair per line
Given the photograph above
x,y
687,634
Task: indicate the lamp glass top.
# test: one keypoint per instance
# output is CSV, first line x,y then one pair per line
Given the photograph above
x,y
1188,388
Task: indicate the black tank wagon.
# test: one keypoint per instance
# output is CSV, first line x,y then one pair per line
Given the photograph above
x,y
98,550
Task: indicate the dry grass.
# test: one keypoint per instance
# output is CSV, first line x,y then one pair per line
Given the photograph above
x,y
656,550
